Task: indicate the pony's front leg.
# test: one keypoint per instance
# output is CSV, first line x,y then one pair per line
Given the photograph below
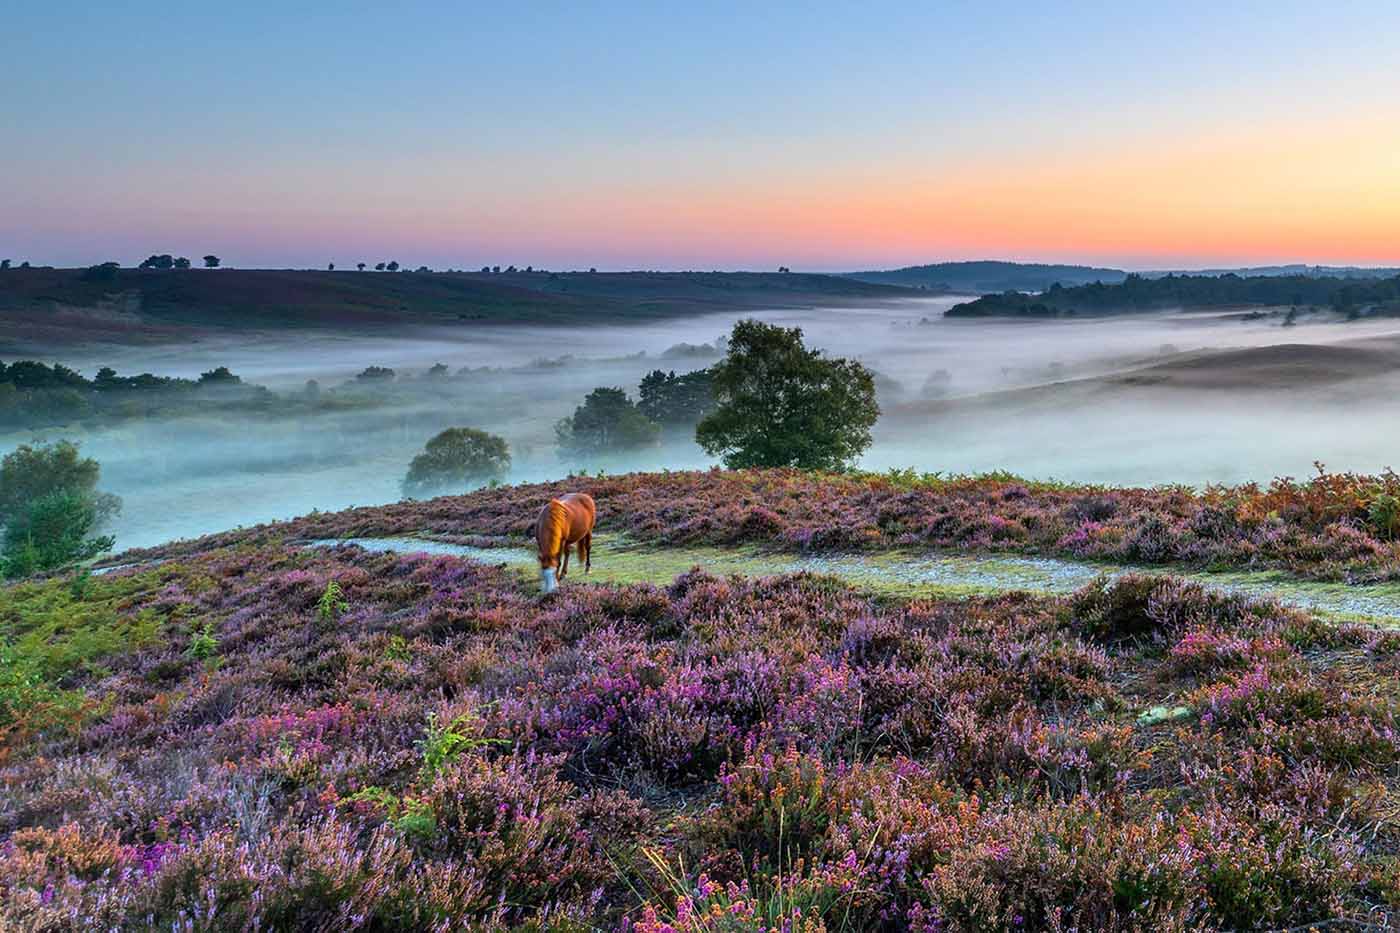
x,y
564,565
585,552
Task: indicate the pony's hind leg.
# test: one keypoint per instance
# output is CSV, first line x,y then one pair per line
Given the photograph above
x,y
564,563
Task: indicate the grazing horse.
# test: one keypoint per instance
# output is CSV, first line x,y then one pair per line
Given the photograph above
x,y
562,522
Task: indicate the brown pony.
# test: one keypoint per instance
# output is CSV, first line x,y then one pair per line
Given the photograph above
x,y
562,522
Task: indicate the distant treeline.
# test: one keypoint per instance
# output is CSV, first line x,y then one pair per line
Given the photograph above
x,y
1137,293
37,395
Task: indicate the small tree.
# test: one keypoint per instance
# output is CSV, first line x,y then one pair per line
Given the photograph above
x,y
379,267
211,261
393,266
219,376
781,404
375,374
182,263
30,472
50,508
606,422
4,264
676,401
102,272
163,261
330,267
456,459
52,531
360,266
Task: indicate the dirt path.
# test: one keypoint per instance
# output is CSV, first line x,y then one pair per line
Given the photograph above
x,y
617,560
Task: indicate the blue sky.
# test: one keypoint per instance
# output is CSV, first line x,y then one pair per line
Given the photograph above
x,y
669,135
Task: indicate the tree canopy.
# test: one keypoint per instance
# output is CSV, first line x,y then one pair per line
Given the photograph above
x,y
50,507
780,404
676,401
456,459
607,422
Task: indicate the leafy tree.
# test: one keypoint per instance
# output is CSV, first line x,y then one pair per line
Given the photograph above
x,y
456,459
330,267
393,266
220,376
52,531
360,266
676,401
495,268
485,268
50,507
379,267
4,264
102,272
29,472
781,404
211,261
373,374
607,422
182,263
163,261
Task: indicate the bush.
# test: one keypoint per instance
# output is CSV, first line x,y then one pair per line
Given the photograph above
x,y
456,459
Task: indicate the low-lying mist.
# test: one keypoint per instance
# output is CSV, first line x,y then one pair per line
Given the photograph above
x,y
1071,399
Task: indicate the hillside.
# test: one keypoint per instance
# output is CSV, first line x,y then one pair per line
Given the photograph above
x,y
157,303
264,734
1139,293
982,277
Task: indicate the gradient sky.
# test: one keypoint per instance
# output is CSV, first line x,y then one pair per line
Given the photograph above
x,y
659,135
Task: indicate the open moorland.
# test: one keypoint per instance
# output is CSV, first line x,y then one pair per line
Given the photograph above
x,y
247,732
56,308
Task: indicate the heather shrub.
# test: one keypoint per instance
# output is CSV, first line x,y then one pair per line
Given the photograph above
x,y
1114,610
520,826
1140,607
774,808
1069,866
1144,754
1268,869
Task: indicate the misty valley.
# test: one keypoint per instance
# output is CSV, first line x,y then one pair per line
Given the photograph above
x,y
281,425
